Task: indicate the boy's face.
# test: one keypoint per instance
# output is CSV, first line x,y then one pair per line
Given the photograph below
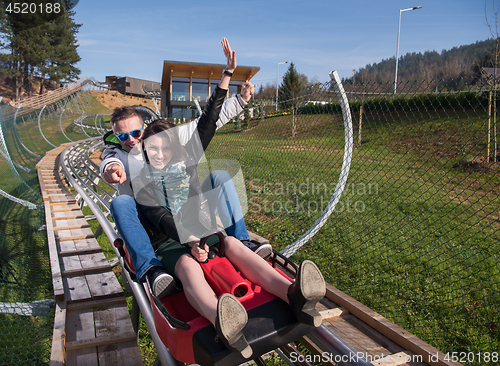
x,y
126,126
159,151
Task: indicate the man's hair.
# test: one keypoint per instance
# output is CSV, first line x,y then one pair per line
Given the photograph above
x,y
169,131
121,113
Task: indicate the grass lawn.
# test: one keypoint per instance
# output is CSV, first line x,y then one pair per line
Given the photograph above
x,y
412,237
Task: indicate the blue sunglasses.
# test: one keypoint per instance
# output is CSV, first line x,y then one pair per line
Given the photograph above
x,y
124,136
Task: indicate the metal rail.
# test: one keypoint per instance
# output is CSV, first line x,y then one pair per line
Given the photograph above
x,y
83,175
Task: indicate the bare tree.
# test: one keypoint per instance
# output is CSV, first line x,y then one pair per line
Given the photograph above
x,y
493,26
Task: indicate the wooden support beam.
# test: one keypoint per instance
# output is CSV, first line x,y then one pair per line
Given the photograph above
x,y
80,271
100,341
96,303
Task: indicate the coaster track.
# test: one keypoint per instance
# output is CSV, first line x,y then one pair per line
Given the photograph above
x,y
376,338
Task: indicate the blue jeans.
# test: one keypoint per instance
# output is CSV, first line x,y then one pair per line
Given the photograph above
x,y
129,220
225,200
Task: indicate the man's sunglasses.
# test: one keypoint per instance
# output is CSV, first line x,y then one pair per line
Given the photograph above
x,y
124,136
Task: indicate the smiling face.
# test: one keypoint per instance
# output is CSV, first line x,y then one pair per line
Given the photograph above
x,y
128,125
159,151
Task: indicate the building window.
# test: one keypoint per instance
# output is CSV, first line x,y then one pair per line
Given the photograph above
x,y
213,85
180,89
200,89
234,88
187,113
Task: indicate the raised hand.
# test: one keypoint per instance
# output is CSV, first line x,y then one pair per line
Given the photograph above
x,y
230,55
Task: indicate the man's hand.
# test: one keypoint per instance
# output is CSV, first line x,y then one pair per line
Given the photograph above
x,y
115,174
247,90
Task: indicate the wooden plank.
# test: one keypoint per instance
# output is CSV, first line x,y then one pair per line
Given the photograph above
x,y
97,303
64,198
54,259
332,313
45,197
80,326
385,345
64,194
328,309
66,208
66,253
67,215
76,289
57,353
397,334
104,284
100,341
87,270
70,227
347,329
86,243
74,234
111,321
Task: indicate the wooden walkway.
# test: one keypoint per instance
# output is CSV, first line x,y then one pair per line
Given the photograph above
x,y
92,324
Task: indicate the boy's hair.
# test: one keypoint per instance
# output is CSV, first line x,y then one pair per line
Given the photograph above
x,y
169,131
121,113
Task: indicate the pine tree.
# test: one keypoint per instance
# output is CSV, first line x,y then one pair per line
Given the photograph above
x,y
43,43
290,92
63,54
291,88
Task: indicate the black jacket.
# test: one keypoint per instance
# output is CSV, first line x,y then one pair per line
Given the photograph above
x,y
195,217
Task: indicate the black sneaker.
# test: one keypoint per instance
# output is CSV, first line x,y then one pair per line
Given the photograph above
x,y
264,250
160,282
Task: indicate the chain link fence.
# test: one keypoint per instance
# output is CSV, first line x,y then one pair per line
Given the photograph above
x,y
414,236
28,131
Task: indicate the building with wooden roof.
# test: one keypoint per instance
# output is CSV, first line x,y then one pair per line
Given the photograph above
x,y
183,83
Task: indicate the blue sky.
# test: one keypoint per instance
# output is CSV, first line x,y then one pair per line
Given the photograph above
x,y
133,38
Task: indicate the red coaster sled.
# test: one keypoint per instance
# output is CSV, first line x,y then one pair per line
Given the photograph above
x,y
191,338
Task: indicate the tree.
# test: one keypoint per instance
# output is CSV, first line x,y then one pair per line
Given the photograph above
x,y
42,43
291,88
62,55
266,92
290,92
494,83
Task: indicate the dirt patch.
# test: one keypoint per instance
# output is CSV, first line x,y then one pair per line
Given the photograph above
x,y
8,87
479,164
113,99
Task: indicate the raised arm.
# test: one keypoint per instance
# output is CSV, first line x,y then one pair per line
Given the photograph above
x,y
230,63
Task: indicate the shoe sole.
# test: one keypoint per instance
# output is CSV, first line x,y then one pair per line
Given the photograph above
x,y
164,286
313,288
264,251
232,319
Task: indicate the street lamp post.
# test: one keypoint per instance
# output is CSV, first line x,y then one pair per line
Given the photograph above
x,y
397,49
277,80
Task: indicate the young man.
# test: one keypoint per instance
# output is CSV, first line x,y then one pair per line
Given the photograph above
x,y
124,139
